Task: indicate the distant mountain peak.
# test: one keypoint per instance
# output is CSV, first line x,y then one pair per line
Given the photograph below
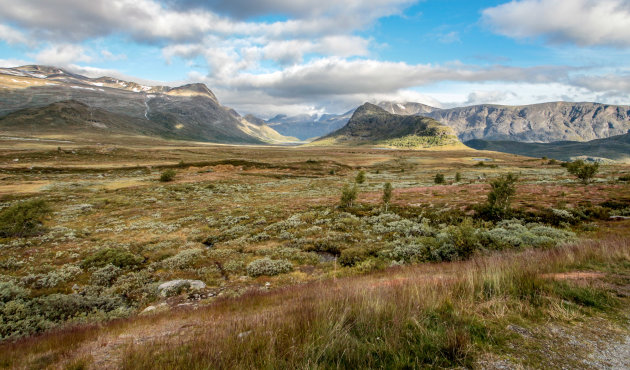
x,y
194,89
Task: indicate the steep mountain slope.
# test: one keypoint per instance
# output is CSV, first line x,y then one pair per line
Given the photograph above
x,y
189,112
372,125
306,126
616,148
547,122
74,116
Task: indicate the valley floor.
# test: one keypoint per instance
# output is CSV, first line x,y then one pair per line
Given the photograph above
x,y
423,283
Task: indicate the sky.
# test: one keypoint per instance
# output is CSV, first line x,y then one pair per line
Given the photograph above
x,y
269,57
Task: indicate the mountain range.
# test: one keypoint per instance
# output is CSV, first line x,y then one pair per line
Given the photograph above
x,y
42,96
52,101
544,123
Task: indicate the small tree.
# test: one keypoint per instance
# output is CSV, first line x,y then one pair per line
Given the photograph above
x,y
167,175
360,179
348,195
500,196
458,177
387,194
439,179
582,170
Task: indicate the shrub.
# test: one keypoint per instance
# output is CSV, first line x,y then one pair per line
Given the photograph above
x,y
439,179
9,291
183,259
268,267
464,238
352,256
348,195
499,198
624,178
167,175
387,194
458,177
513,234
360,179
582,170
24,218
113,256
106,275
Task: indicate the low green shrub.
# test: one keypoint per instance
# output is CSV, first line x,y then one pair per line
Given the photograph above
x,y
106,275
168,175
268,267
113,256
24,218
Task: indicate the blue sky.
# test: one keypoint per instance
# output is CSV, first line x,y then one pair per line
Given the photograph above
x,y
304,56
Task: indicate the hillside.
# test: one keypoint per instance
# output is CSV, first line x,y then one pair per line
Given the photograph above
x,y
616,148
372,125
547,122
189,112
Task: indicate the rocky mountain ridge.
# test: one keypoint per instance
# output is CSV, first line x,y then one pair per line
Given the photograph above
x,y
189,112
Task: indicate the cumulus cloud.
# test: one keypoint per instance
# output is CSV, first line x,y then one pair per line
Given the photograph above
x,y
295,8
62,55
76,20
338,84
340,76
619,84
12,36
10,63
581,22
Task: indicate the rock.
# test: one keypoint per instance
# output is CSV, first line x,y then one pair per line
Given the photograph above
x,y
149,309
174,285
520,330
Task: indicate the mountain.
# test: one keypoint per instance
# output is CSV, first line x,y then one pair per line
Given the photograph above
x,y
189,112
372,125
407,108
547,122
616,148
306,126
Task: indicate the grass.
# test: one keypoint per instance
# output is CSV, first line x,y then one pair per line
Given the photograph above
x,y
441,315
230,206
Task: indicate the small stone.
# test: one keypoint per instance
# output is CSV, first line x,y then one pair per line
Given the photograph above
x,y
149,309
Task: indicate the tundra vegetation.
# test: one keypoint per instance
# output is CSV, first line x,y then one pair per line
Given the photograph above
x,y
284,258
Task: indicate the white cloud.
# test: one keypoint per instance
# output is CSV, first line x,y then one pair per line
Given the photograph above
x,y
12,36
582,22
337,76
62,55
76,20
10,63
611,82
